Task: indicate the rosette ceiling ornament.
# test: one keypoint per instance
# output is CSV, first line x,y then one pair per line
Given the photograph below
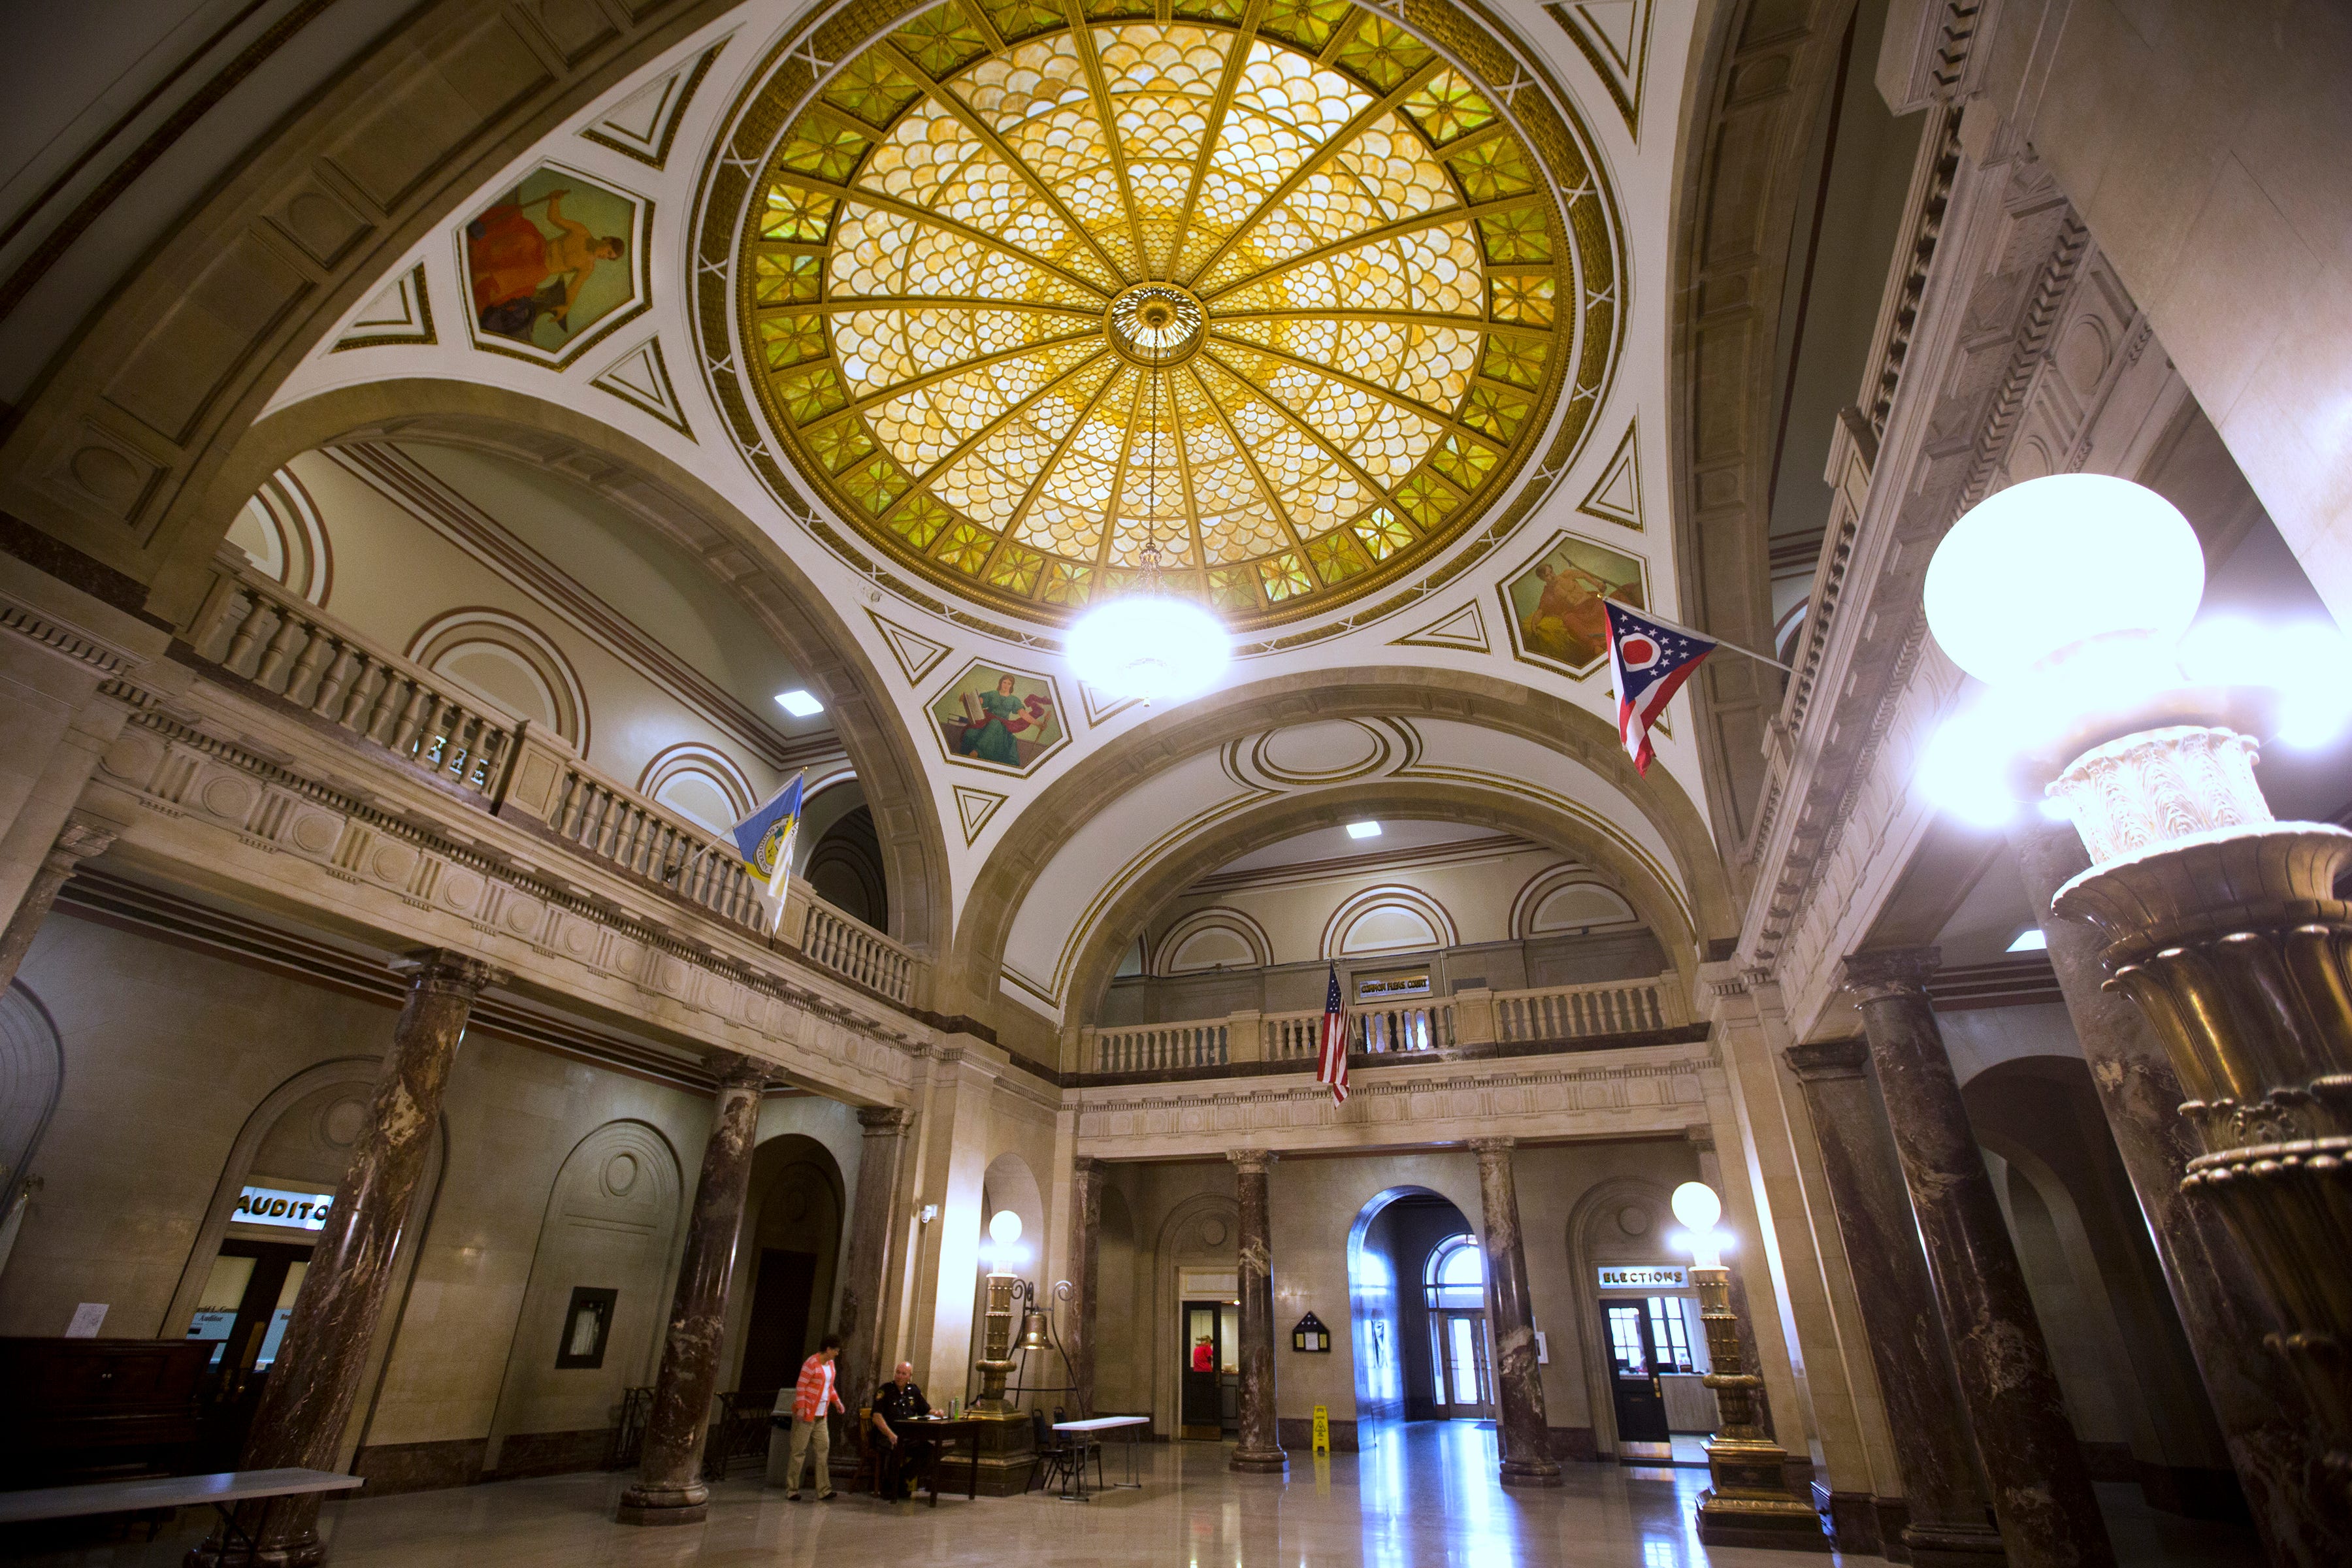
x,y
1282,287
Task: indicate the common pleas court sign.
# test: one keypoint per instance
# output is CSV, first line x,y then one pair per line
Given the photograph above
x,y
1644,1277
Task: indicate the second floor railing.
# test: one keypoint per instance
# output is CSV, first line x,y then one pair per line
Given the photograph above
x,y
266,635
1544,1013
253,628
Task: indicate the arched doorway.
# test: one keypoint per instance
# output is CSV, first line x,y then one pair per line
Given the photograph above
x,y
32,1072
1416,1286
790,1251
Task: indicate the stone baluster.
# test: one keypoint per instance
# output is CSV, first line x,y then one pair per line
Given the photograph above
x,y
669,1487
1942,1482
307,1401
2041,1493
1523,1428
1260,1448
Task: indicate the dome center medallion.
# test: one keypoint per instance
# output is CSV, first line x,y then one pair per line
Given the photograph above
x,y
1155,324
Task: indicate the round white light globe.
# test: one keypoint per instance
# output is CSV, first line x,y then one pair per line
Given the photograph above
x,y
1696,1206
1158,646
2053,561
1004,1228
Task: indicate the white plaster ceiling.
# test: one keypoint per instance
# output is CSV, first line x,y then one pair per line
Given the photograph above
x,y
1612,488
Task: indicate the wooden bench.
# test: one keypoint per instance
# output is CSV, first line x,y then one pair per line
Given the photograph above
x,y
221,1491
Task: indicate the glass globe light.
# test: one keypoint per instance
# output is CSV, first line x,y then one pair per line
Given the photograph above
x,y
2054,561
1004,1228
1696,1206
1157,647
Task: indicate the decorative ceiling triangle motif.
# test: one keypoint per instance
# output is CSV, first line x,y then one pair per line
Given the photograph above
x,y
1616,495
917,655
1464,631
1102,706
643,124
403,313
640,379
1614,37
975,806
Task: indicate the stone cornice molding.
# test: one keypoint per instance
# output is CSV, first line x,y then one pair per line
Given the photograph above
x,y
1888,973
1828,1059
219,790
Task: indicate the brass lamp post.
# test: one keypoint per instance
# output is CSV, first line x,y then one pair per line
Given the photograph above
x,y
1749,1503
2223,924
996,1347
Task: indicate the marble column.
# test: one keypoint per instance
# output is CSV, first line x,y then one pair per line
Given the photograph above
x,y
307,1400
2042,1494
1942,1482
1086,1271
1260,1448
81,837
1710,1171
1522,1430
2272,1436
870,1214
669,1487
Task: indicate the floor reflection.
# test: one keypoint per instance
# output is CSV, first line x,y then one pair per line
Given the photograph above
x,y
1422,1495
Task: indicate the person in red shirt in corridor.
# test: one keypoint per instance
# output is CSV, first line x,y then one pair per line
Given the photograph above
x,y
811,1396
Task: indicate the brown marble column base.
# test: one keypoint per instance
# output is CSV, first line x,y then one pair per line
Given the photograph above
x,y
1955,1546
1252,1462
1530,1473
1749,1504
301,1551
664,1505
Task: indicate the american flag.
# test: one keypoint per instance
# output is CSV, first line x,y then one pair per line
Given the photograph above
x,y
1332,1065
1649,661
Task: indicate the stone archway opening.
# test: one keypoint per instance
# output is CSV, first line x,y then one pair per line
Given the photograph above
x,y
1419,1339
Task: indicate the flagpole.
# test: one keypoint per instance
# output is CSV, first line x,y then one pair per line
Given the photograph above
x,y
1694,631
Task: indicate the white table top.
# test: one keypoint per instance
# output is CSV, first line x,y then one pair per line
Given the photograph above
x,y
1102,1424
167,1491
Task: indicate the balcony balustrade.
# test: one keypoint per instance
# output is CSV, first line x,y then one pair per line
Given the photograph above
x,y
265,636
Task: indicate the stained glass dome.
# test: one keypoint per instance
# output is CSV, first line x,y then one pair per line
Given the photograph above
x,y
1274,288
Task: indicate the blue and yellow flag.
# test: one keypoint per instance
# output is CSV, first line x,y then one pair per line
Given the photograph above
x,y
764,839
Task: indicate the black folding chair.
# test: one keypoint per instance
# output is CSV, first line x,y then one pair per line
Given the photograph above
x,y
1054,1455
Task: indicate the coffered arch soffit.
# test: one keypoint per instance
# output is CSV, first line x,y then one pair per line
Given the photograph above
x,y
654,382
673,501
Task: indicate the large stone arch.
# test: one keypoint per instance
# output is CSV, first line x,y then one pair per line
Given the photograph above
x,y
1114,930
680,507
1097,781
119,445
1760,75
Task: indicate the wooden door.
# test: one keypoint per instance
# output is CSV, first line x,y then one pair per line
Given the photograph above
x,y
1634,1374
776,1336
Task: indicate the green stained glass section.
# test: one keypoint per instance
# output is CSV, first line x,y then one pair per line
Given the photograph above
x,y
1383,533
1336,556
786,278
1495,168
1210,10
1494,411
1310,23
1465,462
795,213
1448,108
941,39
874,88
1064,583
1016,570
1426,498
811,393
1233,588
1382,54
823,149
874,483
966,547
840,444
1517,358
1518,234
1285,576
920,521
1016,19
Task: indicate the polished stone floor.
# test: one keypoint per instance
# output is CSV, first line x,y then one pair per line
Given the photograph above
x,y
1422,1497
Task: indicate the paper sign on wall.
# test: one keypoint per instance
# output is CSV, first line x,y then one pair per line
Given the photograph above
x,y
85,1320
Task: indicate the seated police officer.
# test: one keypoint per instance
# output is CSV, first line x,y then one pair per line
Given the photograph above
x,y
904,1449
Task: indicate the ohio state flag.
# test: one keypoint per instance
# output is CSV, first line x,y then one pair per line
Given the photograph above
x,y
1649,661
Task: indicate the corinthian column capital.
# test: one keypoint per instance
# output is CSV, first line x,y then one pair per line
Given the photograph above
x,y
1885,973
447,971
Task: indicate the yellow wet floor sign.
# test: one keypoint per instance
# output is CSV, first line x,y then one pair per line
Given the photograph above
x,y
1322,1429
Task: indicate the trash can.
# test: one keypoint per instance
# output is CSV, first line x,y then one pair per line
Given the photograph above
x,y
780,1444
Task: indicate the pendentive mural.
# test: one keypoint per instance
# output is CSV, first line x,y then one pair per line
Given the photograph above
x,y
553,264
999,718
1554,604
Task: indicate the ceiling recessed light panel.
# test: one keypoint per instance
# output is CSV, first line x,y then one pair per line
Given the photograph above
x,y
1363,830
2030,940
799,703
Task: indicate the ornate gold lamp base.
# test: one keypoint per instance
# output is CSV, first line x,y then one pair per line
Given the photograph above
x,y
1750,1503
2224,927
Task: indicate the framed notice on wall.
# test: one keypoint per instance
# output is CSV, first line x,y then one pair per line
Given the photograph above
x,y
586,1326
